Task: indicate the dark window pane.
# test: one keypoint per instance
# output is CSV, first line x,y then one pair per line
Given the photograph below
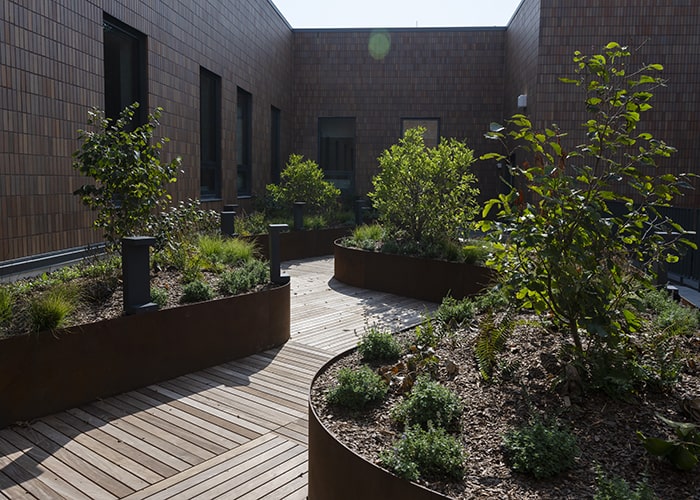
x,y
244,119
210,134
125,70
337,151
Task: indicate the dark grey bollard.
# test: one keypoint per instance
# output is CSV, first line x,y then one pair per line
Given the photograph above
x,y
136,274
299,215
359,212
228,223
230,207
275,256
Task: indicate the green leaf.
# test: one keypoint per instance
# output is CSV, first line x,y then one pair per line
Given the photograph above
x,y
683,458
656,446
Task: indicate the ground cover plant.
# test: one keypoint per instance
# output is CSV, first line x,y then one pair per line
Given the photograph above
x,y
577,378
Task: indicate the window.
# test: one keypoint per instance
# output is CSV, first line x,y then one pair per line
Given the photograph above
x,y
210,134
244,119
337,151
275,147
125,69
431,137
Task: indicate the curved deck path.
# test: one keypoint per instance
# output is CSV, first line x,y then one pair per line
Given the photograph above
x,y
235,431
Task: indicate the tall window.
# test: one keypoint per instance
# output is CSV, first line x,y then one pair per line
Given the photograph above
x,y
125,69
431,136
337,151
275,146
210,134
244,119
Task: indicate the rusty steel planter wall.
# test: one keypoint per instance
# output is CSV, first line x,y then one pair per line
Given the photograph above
x,y
302,244
425,279
52,371
339,473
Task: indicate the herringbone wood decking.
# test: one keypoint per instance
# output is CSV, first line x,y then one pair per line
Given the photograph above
x,y
236,430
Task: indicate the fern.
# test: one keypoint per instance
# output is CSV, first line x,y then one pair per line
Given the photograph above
x,y
491,340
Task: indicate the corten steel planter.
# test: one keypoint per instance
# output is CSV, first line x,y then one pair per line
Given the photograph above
x,y
51,371
425,279
339,473
302,244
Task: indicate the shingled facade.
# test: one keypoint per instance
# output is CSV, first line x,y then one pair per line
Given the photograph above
x,y
242,90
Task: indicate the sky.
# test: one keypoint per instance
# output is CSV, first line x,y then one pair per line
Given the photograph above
x,y
396,13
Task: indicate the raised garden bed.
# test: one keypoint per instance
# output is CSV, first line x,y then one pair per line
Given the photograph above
x,y
335,471
426,279
51,371
302,244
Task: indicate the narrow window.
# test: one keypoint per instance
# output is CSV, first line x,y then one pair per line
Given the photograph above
x,y
337,151
275,146
125,69
431,136
244,119
210,134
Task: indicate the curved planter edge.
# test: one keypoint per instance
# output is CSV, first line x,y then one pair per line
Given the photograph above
x,y
52,371
419,278
301,244
339,473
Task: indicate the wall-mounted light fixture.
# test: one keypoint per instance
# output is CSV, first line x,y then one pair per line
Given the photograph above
x,y
522,101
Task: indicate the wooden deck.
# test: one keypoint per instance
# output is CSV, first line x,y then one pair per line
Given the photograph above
x,y
236,430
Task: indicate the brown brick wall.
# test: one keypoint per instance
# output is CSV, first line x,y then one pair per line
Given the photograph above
x,y
51,73
454,75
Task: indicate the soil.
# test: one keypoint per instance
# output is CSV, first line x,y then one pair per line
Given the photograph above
x,y
525,383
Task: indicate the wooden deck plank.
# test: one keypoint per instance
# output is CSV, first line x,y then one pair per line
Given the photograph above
x,y
139,476
150,469
239,480
116,431
170,444
283,483
216,434
171,426
49,470
268,480
176,484
112,477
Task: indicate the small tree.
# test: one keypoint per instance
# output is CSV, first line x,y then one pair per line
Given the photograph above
x,y
563,250
130,179
428,193
302,180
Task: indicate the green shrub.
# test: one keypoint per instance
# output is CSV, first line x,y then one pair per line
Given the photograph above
x,y
427,337
425,194
426,454
196,291
377,345
567,254
244,278
615,488
129,178
669,317
216,250
159,296
356,389
476,252
453,313
49,310
251,224
428,404
366,237
313,222
182,224
543,450
303,181
6,300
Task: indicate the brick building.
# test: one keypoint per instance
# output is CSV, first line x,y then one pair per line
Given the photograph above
x,y
241,90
